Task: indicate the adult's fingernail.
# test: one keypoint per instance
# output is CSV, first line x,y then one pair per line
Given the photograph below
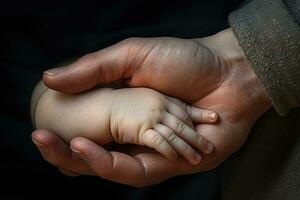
x,y
209,148
79,153
42,147
197,159
54,71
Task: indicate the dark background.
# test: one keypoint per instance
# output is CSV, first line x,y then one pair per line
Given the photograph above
x,y
46,35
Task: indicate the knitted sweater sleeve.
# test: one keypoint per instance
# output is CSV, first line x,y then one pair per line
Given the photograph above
x,y
269,33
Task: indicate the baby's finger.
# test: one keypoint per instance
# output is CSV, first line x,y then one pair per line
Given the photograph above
x,y
155,140
184,149
187,133
197,115
177,101
180,112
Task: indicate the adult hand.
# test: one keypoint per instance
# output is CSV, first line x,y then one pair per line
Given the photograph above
x,y
210,72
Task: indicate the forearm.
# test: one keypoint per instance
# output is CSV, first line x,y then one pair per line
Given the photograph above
x,y
86,114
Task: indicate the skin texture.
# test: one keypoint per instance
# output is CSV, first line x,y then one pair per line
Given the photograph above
x,y
210,72
138,116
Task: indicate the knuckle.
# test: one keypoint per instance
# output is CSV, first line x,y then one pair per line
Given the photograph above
x,y
156,110
179,126
202,114
185,115
157,140
172,137
199,141
178,102
185,106
158,102
90,57
189,110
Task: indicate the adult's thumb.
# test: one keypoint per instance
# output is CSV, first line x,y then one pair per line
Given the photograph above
x,y
110,64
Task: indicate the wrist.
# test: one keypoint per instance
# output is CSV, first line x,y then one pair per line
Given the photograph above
x,y
253,99
259,101
239,67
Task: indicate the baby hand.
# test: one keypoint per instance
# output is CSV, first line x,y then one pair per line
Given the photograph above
x,y
146,117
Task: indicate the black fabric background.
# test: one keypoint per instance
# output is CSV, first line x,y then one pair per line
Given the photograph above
x,y
51,34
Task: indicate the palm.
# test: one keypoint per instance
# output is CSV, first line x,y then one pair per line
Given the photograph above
x,y
227,136
160,61
202,79
234,125
168,60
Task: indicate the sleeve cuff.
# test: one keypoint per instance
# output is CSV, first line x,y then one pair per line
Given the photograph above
x,y
270,38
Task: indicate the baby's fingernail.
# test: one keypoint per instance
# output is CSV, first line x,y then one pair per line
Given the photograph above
x,y
209,148
43,148
212,116
54,71
197,159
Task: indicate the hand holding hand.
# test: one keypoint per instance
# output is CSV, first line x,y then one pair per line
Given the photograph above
x,y
210,72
